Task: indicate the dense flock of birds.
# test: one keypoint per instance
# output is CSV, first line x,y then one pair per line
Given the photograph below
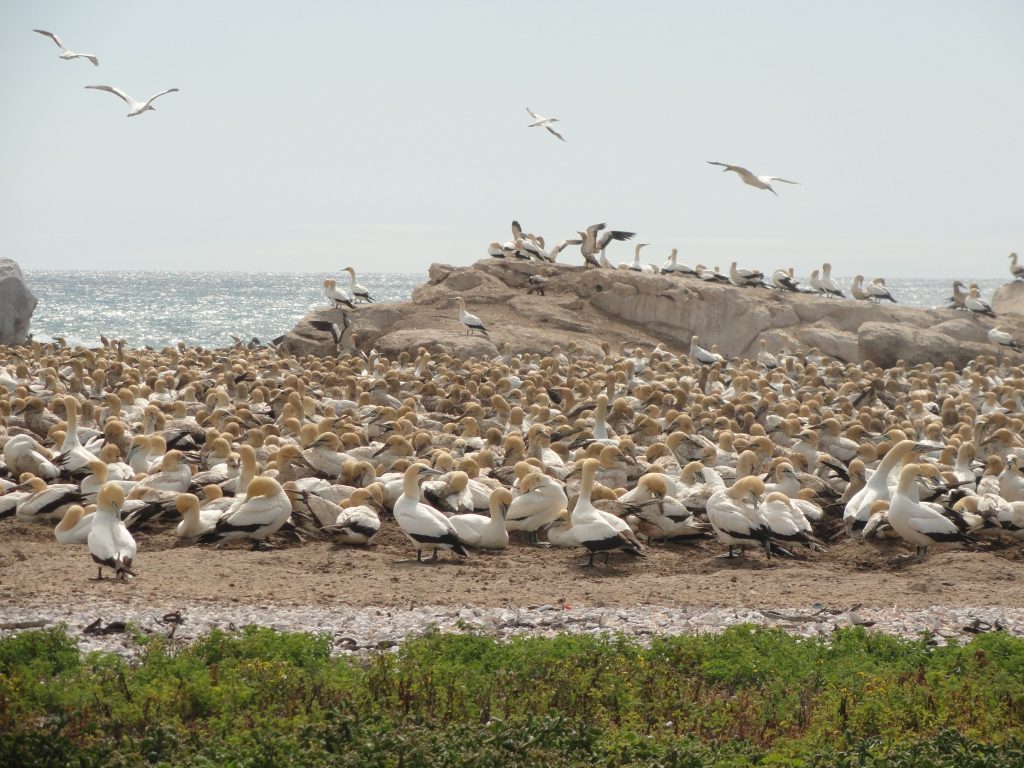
x,y
608,453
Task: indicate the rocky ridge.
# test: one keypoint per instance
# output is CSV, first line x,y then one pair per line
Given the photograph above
x,y
589,306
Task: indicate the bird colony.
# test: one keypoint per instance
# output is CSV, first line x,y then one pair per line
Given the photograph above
x,y
601,457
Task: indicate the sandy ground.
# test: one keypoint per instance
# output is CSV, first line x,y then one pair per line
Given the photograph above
x,y
35,570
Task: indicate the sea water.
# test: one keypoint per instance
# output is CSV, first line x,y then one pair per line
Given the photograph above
x,y
207,308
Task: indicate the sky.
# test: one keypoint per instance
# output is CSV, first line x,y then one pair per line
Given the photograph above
x,y
309,136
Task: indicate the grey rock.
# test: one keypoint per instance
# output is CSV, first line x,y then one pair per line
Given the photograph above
x,y
17,303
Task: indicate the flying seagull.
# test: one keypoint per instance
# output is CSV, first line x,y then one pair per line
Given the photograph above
x,y
543,122
761,182
64,52
136,107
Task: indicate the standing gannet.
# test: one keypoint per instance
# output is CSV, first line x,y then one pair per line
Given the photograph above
x,y
876,290
110,543
596,530
65,53
338,296
916,523
472,322
1017,270
701,355
540,501
74,527
671,265
261,513
858,508
857,289
544,122
784,281
761,182
1002,339
423,525
358,291
134,107
73,457
975,305
486,532
745,277
733,515
766,358
959,297
828,284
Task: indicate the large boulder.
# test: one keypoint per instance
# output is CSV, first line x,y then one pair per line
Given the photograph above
x,y
1009,299
17,303
886,343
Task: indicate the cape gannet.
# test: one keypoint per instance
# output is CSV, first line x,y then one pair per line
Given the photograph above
x,y
591,244
423,525
544,122
472,322
358,291
134,107
761,182
257,515
338,296
65,53
876,290
1017,270
975,305
671,265
110,543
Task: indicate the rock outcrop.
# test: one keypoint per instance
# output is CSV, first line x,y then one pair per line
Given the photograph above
x,y
591,306
17,303
1009,299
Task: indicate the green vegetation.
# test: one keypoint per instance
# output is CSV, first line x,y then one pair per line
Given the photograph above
x,y
746,697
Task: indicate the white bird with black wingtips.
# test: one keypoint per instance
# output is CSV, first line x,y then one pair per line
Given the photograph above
x,y
471,321
64,52
747,177
110,543
544,122
423,525
134,107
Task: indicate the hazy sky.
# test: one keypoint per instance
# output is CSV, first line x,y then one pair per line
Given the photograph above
x,y
312,135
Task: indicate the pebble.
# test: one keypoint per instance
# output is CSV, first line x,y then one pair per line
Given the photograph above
x,y
358,630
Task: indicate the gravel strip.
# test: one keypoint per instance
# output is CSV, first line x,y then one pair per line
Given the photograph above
x,y
101,625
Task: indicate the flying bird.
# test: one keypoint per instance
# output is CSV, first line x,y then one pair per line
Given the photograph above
x,y
64,52
135,107
761,182
544,122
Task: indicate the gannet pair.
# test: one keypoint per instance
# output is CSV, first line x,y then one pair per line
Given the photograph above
x,y
591,244
874,291
826,285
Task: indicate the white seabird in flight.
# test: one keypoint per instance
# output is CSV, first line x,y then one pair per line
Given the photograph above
x,y
64,52
544,122
135,107
761,182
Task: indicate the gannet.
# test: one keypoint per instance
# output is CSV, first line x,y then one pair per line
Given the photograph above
x,y
544,122
540,501
135,107
261,513
358,291
423,525
876,290
1002,339
975,305
74,527
959,297
472,322
339,296
828,285
636,266
45,502
672,266
23,454
783,281
916,523
194,520
596,530
591,244
1017,270
486,532
761,182
536,284
857,289
358,521
110,543
733,515
65,53
745,277
701,355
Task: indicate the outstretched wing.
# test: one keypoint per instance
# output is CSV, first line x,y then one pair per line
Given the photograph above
x,y
111,89
533,114
52,37
553,131
739,169
157,96
784,181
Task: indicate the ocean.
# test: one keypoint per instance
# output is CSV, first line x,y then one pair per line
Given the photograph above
x,y
206,308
